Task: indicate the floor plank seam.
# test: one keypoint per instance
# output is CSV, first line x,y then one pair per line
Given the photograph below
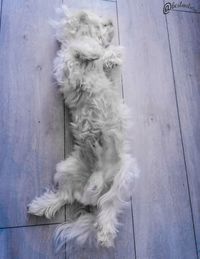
x,y
116,6
64,110
1,12
181,136
64,113
132,216
133,227
34,225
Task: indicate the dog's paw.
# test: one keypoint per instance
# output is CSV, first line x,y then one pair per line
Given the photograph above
x,y
105,238
35,208
112,58
45,205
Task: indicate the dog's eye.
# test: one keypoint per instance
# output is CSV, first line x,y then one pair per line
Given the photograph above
x,y
107,23
77,55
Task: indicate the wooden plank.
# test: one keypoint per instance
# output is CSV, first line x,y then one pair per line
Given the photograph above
x,y
161,206
28,242
31,110
184,34
125,243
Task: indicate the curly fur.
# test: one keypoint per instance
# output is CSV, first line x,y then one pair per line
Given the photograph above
x,y
99,172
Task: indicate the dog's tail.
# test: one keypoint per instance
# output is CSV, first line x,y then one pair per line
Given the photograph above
x,y
82,229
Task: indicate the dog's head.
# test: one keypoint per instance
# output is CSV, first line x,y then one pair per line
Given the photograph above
x,y
90,24
86,23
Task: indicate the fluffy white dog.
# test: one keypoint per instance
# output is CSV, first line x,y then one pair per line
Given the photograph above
x,y
97,174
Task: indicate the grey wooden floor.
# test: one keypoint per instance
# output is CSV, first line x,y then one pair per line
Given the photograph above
x,y
161,84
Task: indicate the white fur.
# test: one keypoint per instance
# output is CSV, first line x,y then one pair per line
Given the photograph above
x,y
99,172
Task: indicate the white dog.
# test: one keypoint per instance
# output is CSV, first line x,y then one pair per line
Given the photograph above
x,y
96,174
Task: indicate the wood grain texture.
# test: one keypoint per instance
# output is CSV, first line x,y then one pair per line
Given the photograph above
x,y
184,34
31,110
161,206
28,242
125,242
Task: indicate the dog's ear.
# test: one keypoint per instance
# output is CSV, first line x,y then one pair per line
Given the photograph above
x,y
82,16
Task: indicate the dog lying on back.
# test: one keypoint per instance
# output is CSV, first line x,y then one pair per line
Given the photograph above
x,y
97,172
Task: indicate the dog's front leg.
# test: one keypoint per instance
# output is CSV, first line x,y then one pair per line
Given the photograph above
x,y
112,58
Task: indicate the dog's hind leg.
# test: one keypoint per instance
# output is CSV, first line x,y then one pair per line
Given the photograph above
x,y
107,222
47,204
70,179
